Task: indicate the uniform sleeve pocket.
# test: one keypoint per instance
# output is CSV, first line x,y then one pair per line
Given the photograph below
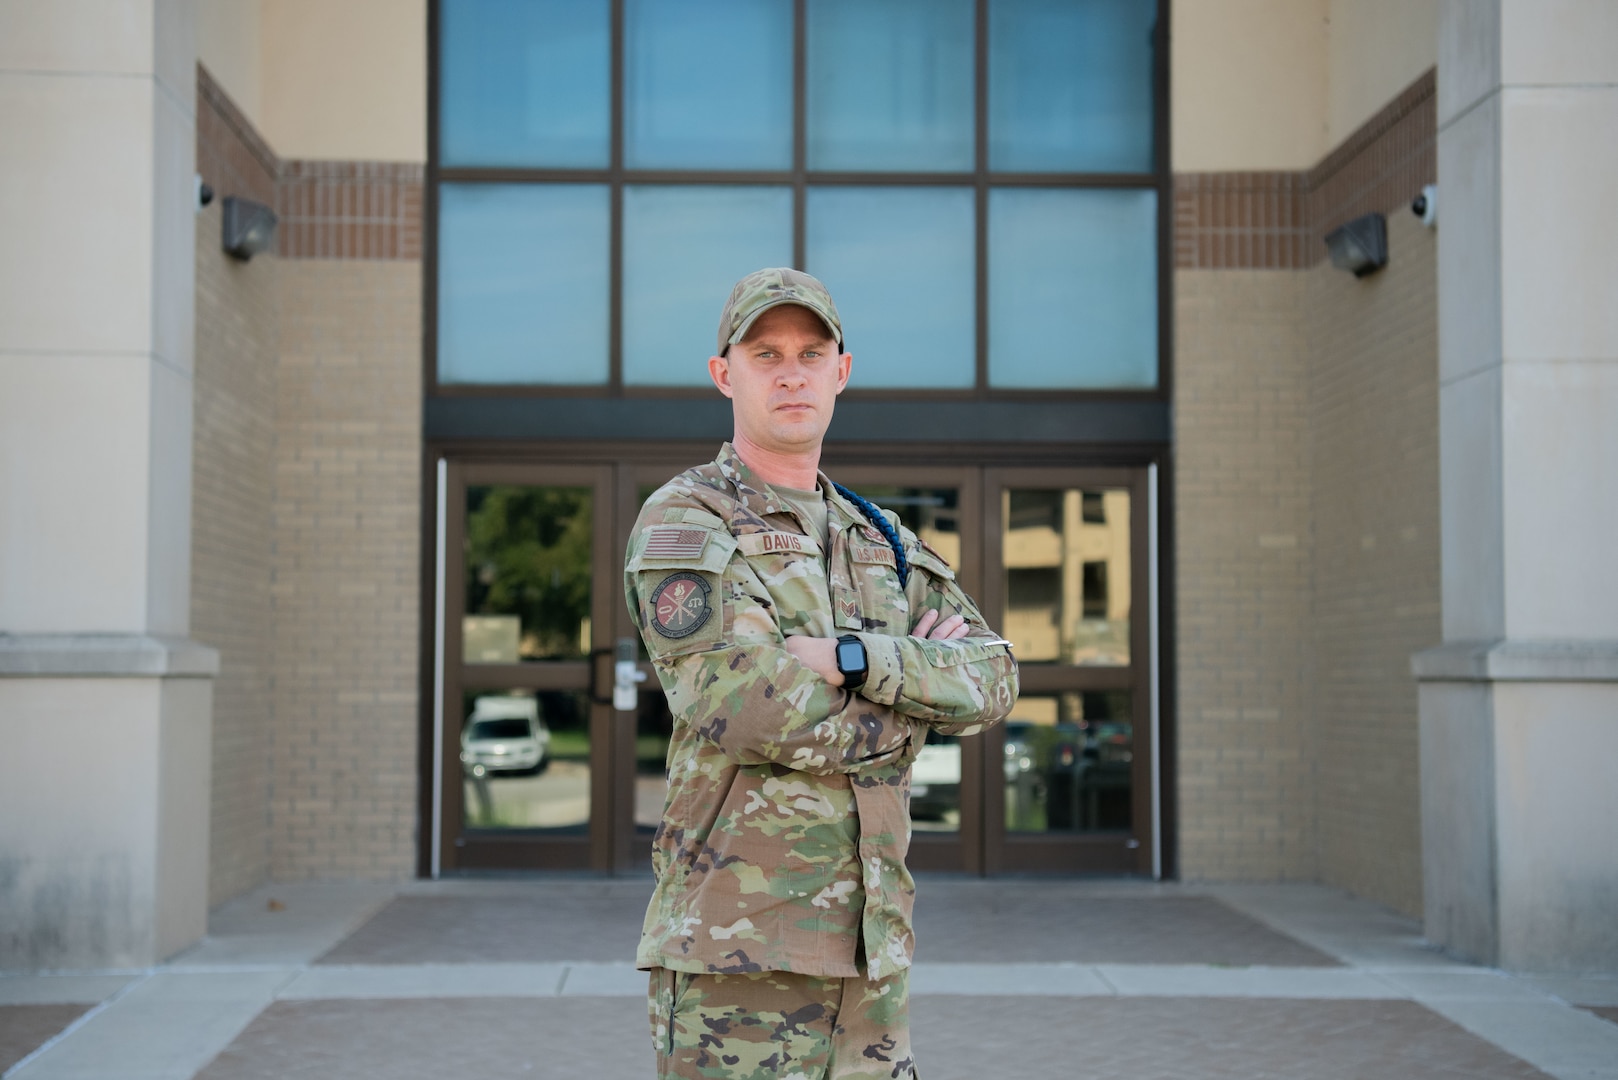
x,y
678,572
964,651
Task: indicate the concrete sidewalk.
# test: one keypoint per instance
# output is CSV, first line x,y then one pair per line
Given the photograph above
x,y
1015,978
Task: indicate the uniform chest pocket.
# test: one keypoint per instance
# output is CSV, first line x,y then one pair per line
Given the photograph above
x,y
883,607
793,573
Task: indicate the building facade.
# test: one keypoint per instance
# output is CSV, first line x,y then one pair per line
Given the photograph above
x,y
321,548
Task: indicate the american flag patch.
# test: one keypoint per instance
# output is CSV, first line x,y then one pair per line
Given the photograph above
x,y
672,542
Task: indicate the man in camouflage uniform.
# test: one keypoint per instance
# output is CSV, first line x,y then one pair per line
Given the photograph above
x,y
805,649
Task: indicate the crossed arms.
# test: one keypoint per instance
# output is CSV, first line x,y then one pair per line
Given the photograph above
x,y
782,702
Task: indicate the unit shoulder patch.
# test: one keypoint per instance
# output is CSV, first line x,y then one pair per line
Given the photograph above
x,y
680,605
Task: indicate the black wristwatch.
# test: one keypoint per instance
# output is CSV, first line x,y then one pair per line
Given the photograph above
x,y
851,661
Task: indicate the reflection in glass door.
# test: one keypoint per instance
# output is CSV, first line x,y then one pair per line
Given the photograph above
x,y
524,765
525,753
1074,786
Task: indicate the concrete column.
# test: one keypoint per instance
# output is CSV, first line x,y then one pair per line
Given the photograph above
x,y
1519,706
105,705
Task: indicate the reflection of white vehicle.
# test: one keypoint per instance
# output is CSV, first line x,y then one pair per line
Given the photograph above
x,y
935,779
504,735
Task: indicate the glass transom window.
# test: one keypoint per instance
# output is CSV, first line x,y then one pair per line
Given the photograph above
x,y
976,181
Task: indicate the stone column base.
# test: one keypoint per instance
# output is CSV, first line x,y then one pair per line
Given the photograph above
x,y
1519,796
104,798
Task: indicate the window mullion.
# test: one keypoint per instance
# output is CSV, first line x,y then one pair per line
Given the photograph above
x,y
980,94
799,133
615,172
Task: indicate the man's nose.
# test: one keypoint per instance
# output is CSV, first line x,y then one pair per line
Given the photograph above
x,y
792,375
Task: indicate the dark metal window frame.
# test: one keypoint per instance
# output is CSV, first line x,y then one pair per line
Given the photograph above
x,y
799,178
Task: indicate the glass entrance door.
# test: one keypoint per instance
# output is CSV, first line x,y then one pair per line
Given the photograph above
x,y
538,770
526,737
1073,788
1058,562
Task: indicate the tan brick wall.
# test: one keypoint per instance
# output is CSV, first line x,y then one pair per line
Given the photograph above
x,y
237,326
1373,417
1242,506
1307,515
1306,427
346,585
237,314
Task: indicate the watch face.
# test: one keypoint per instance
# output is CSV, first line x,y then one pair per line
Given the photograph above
x,y
850,656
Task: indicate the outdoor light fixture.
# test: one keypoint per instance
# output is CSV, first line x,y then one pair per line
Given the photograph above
x,y
249,227
1361,245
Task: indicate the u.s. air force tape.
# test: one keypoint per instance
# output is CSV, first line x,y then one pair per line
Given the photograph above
x,y
679,605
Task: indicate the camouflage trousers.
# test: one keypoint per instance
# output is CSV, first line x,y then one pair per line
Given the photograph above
x,y
778,1025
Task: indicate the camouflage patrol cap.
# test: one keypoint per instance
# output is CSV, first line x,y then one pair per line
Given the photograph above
x,y
762,290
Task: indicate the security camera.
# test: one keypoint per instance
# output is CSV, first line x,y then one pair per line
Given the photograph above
x,y
204,193
1425,205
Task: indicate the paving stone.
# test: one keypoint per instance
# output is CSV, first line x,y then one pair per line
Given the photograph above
x,y
25,1028
1032,922
1051,923
585,922
1211,1039
955,1038
1023,978
600,1038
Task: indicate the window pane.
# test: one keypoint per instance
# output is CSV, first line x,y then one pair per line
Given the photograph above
x,y
1067,575
708,85
522,283
1072,288
1070,85
525,82
527,574
1069,762
525,760
868,245
684,247
890,85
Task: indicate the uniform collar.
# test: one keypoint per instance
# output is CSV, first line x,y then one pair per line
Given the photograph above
x,y
756,494
751,490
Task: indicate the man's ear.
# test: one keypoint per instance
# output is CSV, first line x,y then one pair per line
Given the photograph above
x,y
719,372
845,364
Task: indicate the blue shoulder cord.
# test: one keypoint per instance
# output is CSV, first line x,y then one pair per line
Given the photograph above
x,y
880,520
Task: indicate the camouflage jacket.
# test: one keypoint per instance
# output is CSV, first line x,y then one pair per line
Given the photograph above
x,y
783,841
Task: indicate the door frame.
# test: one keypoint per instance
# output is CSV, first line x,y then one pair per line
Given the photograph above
x,y
851,462
461,849
1136,852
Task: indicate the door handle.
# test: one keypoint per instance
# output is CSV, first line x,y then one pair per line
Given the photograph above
x,y
626,677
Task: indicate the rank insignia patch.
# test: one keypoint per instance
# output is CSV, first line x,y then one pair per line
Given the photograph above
x,y
680,605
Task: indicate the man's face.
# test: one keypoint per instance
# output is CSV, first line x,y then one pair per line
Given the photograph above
x,y
783,379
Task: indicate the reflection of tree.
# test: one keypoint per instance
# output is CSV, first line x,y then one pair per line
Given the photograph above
x,y
528,554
